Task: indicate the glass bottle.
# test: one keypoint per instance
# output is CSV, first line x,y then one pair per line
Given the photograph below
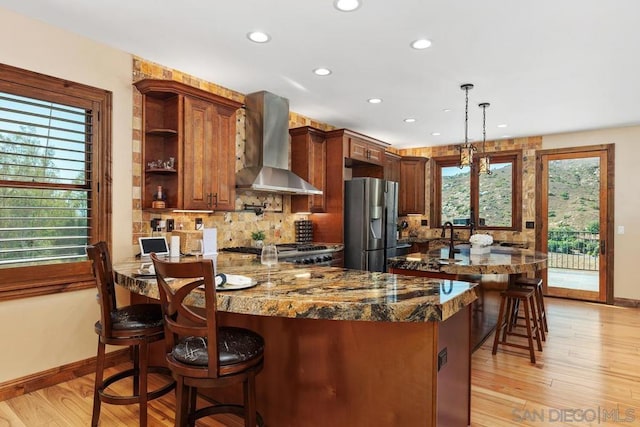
x,y
159,198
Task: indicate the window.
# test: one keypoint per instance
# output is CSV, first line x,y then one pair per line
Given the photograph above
x,y
54,145
491,201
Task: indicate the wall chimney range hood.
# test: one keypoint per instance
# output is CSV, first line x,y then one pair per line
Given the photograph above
x,y
267,148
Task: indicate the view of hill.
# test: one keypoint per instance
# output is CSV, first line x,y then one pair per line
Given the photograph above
x,y
495,196
573,195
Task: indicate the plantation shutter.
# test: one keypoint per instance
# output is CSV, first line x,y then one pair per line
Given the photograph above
x,y
45,181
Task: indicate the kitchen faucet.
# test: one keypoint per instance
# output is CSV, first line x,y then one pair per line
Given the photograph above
x,y
471,223
451,248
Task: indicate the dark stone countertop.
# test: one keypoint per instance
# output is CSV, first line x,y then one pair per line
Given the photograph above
x,y
320,292
500,260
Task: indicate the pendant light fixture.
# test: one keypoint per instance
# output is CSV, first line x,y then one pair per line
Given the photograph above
x,y
484,163
466,149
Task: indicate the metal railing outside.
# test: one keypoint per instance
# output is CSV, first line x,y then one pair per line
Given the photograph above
x,y
575,250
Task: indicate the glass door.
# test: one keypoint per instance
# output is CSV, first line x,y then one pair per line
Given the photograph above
x,y
574,227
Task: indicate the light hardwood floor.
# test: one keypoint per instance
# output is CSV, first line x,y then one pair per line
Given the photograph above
x,y
588,373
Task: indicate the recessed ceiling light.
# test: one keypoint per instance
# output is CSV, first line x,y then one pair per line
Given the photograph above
x,y
420,44
258,37
447,110
347,5
322,71
374,100
409,120
502,125
435,133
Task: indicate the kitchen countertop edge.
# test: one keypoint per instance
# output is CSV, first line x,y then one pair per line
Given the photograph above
x,y
320,292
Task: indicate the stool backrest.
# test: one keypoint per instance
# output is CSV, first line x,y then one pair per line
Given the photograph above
x,y
103,272
182,320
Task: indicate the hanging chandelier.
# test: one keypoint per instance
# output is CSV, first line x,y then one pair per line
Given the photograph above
x,y
484,163
466,150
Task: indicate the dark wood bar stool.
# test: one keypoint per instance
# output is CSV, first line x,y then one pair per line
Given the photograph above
x,y
536,284
510,300
135,326
200,353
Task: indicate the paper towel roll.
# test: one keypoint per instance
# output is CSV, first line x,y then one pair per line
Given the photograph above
x,y
175,246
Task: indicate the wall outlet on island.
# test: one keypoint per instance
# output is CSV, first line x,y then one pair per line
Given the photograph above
x,y
442,358
424,222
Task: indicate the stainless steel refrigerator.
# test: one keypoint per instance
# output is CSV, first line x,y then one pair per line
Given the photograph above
x,y
370,218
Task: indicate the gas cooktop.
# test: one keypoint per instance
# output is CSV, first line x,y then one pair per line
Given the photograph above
x,y
298,253
284,249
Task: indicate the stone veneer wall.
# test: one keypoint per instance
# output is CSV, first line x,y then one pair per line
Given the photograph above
x,y
234,228
527,145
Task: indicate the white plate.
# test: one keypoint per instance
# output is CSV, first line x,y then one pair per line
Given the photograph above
x,y
234,283
236,286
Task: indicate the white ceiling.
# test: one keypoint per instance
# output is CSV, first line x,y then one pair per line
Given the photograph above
x,y
546,66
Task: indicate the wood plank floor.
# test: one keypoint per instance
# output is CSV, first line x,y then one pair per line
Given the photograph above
x,y
587,375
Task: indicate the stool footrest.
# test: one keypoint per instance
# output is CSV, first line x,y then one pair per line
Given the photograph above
x,y
114,399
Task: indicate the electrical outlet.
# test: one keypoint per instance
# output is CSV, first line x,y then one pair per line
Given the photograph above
x,y
424,222
170,225
442,358
529,224
155,223
199,225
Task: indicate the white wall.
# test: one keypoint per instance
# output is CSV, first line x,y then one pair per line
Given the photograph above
x,y
41,333
627,197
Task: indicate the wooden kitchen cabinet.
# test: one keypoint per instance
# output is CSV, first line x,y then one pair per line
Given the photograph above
x,y
309,161
196,129
363,150
411,189
209,155
359,148
392,167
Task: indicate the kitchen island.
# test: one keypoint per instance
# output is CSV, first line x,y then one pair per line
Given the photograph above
x,y
346,347
493,272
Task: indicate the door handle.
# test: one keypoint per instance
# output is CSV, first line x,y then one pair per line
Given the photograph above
x,y
603,247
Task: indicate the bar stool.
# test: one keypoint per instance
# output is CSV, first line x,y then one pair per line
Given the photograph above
x,y
200,352
510,299
536,284
135,326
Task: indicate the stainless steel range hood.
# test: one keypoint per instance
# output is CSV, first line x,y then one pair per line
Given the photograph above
x,y
267,148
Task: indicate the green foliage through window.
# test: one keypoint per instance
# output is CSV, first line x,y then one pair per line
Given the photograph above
x,y
45,181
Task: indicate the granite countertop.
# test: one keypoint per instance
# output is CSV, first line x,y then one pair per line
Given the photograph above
x,y
320,292
501,260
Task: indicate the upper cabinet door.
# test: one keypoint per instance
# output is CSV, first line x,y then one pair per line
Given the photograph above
x,y
209,155
309,161
200,150
365,151
392,167
412,186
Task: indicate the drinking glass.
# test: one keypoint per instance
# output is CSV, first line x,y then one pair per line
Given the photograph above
x,y
196,248
269,258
